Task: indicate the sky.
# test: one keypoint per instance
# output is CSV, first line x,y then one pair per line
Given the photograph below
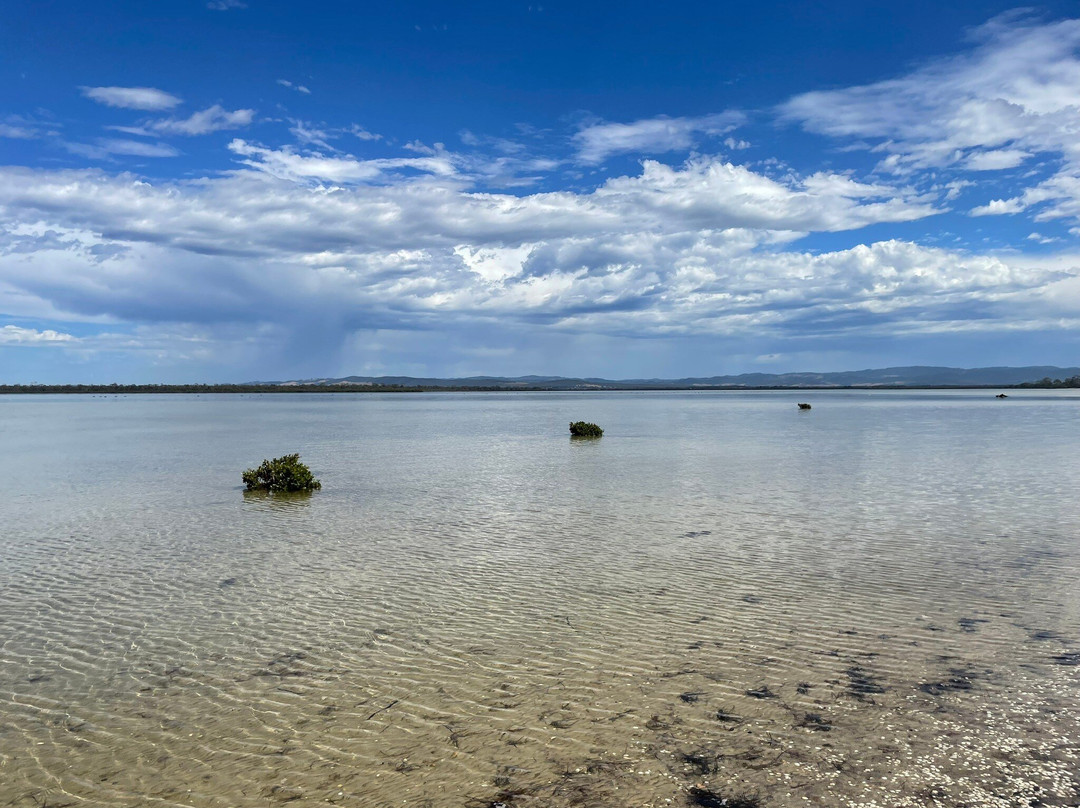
x,y
239,190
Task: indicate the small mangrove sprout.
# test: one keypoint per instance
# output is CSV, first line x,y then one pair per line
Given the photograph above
x,y
281,475
803,406
583,429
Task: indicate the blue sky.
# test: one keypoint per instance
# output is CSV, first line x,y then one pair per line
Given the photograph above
x,y
228,191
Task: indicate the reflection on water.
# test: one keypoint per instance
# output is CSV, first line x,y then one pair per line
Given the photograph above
x,y
872,603
280,500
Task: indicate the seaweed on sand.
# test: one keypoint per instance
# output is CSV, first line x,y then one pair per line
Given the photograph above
x,y
707,798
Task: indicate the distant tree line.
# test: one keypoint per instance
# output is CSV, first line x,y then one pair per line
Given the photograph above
x,y
207,388
125,389
1047,382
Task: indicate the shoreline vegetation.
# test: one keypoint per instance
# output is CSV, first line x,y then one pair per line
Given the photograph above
x,y
211,389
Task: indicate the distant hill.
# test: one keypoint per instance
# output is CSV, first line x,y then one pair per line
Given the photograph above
x,y
915,376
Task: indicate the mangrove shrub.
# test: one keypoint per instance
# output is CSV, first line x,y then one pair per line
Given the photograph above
x,y
281,475
583,429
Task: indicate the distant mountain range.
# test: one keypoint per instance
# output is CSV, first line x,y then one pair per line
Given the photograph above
x,y
916,376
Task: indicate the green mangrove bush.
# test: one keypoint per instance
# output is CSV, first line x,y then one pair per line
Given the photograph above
x,y
583,429
281,475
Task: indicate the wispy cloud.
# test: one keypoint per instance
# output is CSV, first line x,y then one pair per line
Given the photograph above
x,y
225,5
105,148
285,163
212,119
1007,102
599,141
145,98
20,127
300,88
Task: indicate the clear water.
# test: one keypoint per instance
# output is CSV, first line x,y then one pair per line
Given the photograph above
x,y
871,603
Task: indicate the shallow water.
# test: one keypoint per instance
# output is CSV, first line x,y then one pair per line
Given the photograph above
x,y
870,603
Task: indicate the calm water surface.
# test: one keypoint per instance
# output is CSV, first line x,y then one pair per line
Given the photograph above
x,y
871,603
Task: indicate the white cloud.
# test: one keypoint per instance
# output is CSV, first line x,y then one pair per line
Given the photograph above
x,y
1055,198
310,135
955,188
287,164
146,98
22,127
300,88
998,207
1010,100
105,148
14,335
495,264
709,193
995,159
225,5
361,133
698,249
211,119
1017,88
17,132
599,141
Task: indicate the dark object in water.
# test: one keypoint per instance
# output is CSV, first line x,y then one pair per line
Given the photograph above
x,y
691,696
1001,395
762,692
861,683
724,716
959,679
281,475
1068,658
1043,634
583,429
815,722
655,723
804,406
700,761
705,798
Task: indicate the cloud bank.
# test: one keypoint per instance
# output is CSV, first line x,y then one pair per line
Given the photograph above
x,y
329,238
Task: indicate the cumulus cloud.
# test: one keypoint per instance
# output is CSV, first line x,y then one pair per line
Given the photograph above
x,y
211,119
145,98
700,249
597,142
14,335
997,207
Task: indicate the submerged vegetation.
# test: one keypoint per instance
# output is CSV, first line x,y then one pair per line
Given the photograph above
x,y
583,429
281,475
